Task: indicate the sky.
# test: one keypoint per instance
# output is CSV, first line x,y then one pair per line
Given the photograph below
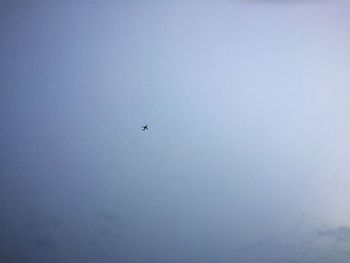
x,y
247,154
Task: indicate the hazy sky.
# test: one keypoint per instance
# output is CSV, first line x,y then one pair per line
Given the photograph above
x,y
247,154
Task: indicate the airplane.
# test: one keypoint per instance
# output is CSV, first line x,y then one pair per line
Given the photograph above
x,y
145,127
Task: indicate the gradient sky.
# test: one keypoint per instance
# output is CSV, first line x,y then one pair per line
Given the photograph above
x,y
247,154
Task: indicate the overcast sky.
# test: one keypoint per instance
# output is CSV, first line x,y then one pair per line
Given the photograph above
x,y
247,154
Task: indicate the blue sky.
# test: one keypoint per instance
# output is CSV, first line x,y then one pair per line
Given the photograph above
x,y
246,156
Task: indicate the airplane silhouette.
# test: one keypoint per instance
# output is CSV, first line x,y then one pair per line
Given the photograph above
x,y
145,127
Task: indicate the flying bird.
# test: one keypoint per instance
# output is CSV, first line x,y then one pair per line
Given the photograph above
x,y
145,127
